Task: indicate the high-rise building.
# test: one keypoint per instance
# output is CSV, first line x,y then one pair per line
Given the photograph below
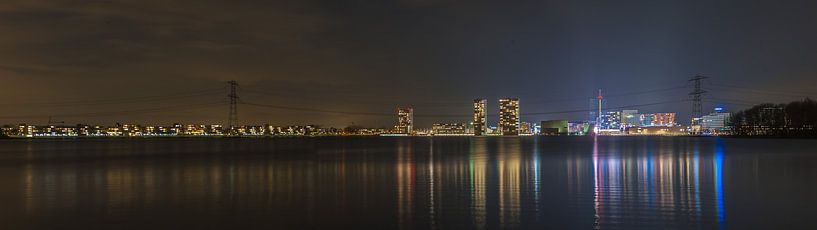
x,y
593,115
509,116
405,120
664,119
480,117
601,100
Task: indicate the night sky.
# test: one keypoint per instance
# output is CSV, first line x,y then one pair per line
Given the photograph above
x,y
161,61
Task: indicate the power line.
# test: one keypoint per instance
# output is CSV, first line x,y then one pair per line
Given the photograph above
x,y
729,102
364,102
110,101
232,121
125,112
715,99
314,110
296,97
646,91
696,96
760,91
450,103
443,115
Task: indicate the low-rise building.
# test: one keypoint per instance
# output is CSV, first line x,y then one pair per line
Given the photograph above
x,y
658,130
554,127
449,129
716,122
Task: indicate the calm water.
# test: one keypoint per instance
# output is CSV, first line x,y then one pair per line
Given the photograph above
x,y
409,183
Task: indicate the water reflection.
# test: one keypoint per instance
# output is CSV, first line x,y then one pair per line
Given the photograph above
x,y
718,174
508,168
405,184
657,188
482,183
478,158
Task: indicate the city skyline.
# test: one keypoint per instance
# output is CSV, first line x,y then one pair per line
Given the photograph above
x,y
408,114
234,99
479,112
611,122
406,120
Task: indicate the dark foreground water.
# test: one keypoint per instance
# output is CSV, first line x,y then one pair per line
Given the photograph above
x,y
399,182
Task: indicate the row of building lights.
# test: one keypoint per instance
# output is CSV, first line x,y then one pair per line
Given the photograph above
x,y
607,123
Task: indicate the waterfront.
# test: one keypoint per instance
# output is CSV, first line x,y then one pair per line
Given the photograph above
x,y
409,182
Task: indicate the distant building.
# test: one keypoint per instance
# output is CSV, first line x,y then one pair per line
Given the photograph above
x,y
525,128
160,131
135,130
715,122
770,117
251,130
664,119
214,129
611,120
422,132
554,127
647,120
130,130
55,131
480,117
509,116
593,107
658,130
579,128
454,129
195,130
405,120
630,118
493,130
8,130
24,130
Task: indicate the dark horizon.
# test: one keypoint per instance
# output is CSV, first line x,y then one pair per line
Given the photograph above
x,y
65,58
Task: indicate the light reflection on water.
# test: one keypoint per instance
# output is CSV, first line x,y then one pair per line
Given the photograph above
x,y
661,188
408,183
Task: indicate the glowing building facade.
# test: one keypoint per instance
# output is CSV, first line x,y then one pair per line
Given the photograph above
x,y
664,119
555,127
611,120
480,117
405,120
647,119
715,123
450,129
630,118
526,128
509,116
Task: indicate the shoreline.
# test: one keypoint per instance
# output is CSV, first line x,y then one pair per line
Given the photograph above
x,y
372,136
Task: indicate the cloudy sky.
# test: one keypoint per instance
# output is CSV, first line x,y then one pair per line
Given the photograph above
x,y
350,62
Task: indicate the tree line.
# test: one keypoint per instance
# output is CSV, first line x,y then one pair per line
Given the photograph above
x,y
793,119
